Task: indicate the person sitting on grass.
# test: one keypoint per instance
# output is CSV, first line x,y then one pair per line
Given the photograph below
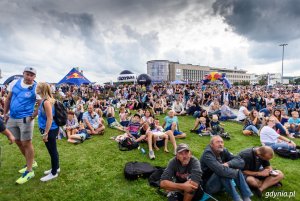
x,y
178,107
91,121
100,120
214,108
243,111
72,124
252,123
148,118
182,177
217,129
171,123
258,171
123,114
80,136
294,122
281,125
113,123
221,169
202,130
133,128
158,134
269,137
158,108
226,112
6,132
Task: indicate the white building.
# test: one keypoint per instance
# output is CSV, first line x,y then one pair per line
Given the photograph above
x,y
164,70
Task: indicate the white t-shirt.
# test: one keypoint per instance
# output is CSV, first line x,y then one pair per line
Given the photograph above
x,y
271,100
241,115
268,134
23,85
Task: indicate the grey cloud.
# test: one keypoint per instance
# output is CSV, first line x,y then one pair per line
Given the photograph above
x,y
269,20
149,41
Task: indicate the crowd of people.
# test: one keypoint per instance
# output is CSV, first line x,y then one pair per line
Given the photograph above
x,y
135,110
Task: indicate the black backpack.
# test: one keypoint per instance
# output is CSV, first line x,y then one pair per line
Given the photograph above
x,y
286,153
61,113
135,170
128,144
154,179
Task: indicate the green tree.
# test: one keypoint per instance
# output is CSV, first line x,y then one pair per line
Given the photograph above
x,y
263,80
236,84
245,83
297,81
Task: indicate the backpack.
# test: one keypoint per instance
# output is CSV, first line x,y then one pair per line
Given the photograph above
x,y
61,113
135,170
286,153
128,144
154,179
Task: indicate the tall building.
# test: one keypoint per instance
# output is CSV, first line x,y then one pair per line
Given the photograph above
x,y
164,70
158,70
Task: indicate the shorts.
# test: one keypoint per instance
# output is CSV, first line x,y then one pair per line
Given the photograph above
x,y
114,124
176,132
159,135
22,129
82,136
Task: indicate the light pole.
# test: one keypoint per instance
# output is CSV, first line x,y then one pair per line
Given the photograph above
x,y
284,44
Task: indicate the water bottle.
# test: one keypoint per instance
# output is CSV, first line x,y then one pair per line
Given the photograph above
x,y
143,151
233,182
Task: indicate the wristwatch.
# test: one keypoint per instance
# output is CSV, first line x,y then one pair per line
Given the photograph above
x,y
290,141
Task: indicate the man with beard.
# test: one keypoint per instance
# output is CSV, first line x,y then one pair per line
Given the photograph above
x,y
222,170
182,176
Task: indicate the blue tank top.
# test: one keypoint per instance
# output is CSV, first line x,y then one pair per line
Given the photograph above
x,y
22,101
42,118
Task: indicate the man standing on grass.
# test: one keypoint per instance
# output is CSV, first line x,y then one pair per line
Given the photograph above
x,y
182,176
20,102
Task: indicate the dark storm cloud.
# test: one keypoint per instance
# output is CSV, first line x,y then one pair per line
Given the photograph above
x,y
268,20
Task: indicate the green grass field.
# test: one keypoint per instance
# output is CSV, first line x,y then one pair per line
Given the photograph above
x,y
94,170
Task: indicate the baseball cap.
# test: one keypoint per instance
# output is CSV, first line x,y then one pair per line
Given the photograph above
x,y
182,147
30,69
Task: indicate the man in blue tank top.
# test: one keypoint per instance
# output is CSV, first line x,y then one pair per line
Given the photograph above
x,y
20,104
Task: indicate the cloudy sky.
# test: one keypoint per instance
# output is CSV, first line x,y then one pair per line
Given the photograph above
x,y
104,37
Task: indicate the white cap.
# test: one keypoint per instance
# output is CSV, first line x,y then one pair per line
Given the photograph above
x,y
30,69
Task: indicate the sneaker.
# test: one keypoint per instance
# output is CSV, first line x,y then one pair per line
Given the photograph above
x,y
25,177
34,165
151,155
49,171
49,177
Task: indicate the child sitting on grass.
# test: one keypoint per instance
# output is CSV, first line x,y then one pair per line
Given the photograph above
x,y
294,124
123,116
158,134
134,127
113,123
202,130
216,128
80,136
72,124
